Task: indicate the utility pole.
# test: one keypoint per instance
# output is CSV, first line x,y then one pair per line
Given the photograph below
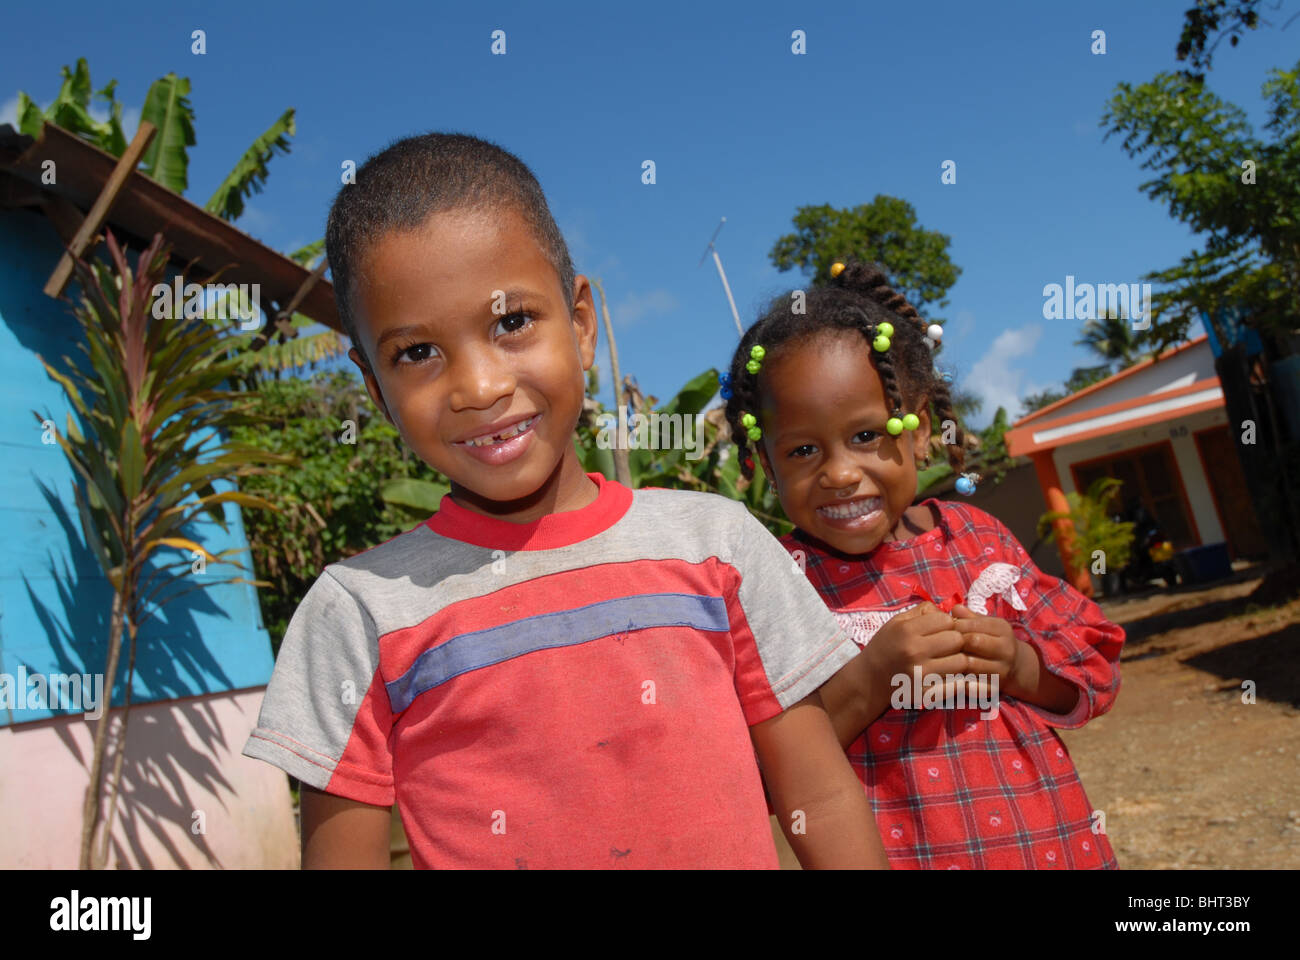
x,y
622,463
725,286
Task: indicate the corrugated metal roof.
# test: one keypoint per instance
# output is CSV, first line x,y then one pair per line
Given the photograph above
x,y
145,207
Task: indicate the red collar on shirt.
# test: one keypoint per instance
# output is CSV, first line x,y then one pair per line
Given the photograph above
x,y
546,533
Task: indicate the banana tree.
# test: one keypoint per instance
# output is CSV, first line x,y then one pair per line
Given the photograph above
x,y
714,462
168,108
71,111
143,391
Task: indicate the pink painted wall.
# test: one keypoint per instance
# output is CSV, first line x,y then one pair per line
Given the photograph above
x,y
183,757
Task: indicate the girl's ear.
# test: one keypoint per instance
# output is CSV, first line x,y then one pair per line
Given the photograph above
x,y
766,463
921,435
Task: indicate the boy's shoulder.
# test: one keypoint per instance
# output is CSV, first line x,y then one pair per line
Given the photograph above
x,y
688,502
709,521
414,559
685,523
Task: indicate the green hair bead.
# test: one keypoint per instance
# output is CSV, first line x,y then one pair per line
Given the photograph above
x,y
753,366
885,329
881,343
757,352
894,426
748,420
911,421
755,433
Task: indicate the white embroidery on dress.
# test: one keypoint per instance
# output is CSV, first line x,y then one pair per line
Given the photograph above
x,y
862,625
997,580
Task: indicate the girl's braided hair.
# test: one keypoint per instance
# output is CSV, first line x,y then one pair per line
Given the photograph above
x,y
859,299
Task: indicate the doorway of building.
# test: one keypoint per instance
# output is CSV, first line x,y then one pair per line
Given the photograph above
x,y
1150,478
1231,495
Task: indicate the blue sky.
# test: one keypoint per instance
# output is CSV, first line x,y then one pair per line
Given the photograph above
x,y
737,125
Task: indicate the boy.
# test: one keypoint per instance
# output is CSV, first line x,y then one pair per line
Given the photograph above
x,y
553,670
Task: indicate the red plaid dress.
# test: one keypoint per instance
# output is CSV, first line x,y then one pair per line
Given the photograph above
x,y
949,789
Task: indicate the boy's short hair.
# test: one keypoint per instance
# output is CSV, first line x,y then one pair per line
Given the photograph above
x,y
414,178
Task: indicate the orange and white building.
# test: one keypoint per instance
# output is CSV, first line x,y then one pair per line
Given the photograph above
x,y
1162,428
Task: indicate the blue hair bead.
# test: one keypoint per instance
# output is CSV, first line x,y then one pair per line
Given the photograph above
x,y
725,393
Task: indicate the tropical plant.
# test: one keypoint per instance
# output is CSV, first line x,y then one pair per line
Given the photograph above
x,y
71,111
1111,338
355,485
149,445
1094,528
714,466
166,160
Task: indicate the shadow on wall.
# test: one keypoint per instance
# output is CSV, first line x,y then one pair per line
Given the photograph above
x,y
171,659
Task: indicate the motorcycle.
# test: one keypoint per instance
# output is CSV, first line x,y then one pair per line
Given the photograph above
x,y
1152,553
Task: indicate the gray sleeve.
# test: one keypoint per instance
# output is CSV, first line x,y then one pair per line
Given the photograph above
x,y
326,716
789,643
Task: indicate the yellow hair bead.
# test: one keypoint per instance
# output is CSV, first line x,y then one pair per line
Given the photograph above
x,y
836,269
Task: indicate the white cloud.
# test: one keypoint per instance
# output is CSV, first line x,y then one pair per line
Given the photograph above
x,y
996,379
637,306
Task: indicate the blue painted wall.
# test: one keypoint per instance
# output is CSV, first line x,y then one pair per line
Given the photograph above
x,y
54,599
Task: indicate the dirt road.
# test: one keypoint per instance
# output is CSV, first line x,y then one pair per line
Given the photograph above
x,y
1189,775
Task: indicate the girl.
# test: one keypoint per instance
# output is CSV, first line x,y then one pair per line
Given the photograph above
x,y
835,403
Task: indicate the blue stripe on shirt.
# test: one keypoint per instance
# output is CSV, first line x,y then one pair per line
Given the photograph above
x,y
483,648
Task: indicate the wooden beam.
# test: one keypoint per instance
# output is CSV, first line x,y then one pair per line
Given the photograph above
x,y
126,165
312,279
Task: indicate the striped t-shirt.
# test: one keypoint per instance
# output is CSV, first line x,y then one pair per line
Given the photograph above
x,y
573,692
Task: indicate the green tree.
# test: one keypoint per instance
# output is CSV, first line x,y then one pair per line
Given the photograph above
x,y
1209,21
1236,189
885,231
351,488
1111,338
1034,402
1239,191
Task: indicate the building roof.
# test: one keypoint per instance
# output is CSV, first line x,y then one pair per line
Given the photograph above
x,y
145,207
1178,382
